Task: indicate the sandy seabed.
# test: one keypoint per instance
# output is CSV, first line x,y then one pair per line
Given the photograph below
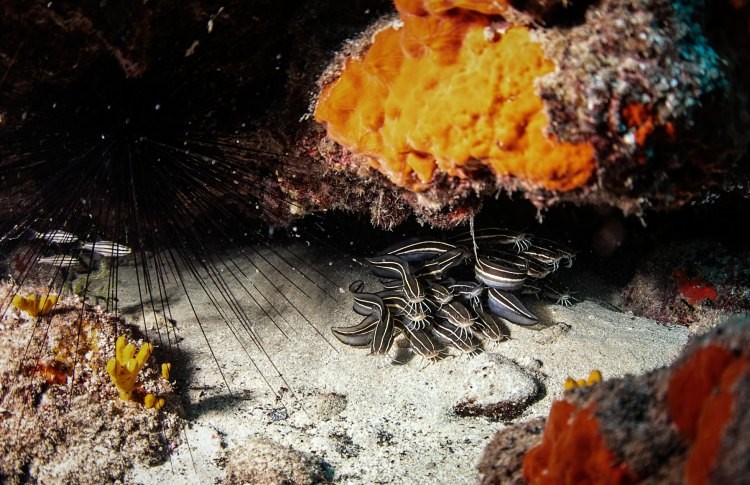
x,y
305,409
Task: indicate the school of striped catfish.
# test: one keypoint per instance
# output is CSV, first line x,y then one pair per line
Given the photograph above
x,y
452,294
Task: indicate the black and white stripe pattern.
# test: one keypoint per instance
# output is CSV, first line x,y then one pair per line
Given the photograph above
x,y
433,310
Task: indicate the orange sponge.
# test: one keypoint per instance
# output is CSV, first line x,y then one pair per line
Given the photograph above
x,y
447,90
701,402
572,451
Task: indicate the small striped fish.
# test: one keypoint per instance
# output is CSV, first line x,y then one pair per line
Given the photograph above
x,y
384,334
491,326
61,260
495,235
456,313
547,256
108,249
437,266
398,267
500,273
469,291
54,237
438,294
421,342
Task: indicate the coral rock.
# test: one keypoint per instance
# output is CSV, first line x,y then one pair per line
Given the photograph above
x,y
447,93
632,104
679,424
573,451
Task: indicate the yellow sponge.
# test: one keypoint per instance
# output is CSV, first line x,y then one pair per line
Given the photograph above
x,y
33,306
126,365
594,377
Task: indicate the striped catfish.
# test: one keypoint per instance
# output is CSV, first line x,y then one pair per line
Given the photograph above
x,y
500,273
382,338
439,265
394,266
508,306
359,335
458,337
416,250
468,290
567,255
544,255
456,313
399,306
421,342
489,236
438,294
491,326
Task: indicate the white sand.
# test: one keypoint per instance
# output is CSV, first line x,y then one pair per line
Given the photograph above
x,y
372,422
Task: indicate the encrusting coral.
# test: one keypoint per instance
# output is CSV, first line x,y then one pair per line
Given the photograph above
x,y
448,90
125,366
573,451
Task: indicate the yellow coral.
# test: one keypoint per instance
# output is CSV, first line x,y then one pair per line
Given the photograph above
x,y
594,377
33,306
165,368
126,365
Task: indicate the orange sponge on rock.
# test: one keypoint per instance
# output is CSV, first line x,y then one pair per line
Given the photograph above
x,y
444,90
573,451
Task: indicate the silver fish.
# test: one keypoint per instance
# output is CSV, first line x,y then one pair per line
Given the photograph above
x,y
55,237
60,260
108,249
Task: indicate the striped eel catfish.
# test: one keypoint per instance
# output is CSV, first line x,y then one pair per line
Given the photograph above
x,y
468,290
460,338
457,313
504,274
417,250
491,326
438,295
423,302
436,267
508,306
394,266
495,235
370,304
421,342
359,335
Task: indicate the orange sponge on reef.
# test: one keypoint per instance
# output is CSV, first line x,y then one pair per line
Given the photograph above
x,y
701,400
446,90
573,451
